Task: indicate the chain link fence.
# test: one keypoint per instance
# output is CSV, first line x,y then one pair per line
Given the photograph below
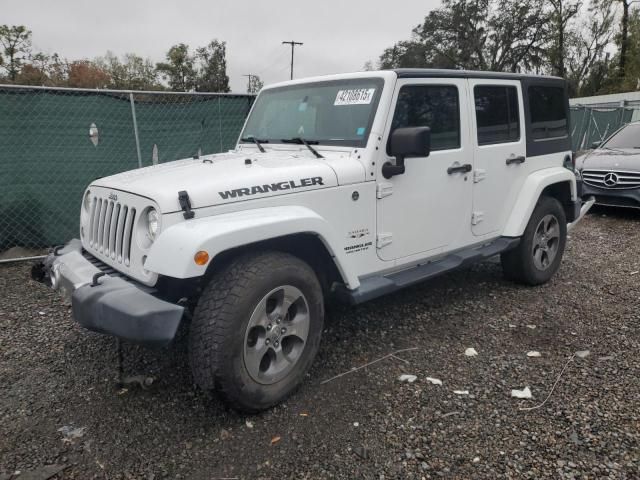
x,y
55,141
596,122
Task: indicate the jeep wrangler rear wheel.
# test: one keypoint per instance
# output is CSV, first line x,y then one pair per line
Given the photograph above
x,y
537,258
256,330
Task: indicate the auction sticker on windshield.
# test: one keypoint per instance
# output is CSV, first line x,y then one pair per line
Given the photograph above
x,y
356,96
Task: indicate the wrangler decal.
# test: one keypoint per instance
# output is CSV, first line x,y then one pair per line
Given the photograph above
x,y
271,187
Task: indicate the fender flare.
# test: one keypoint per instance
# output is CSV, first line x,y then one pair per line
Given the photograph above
x,y
172,253
530,193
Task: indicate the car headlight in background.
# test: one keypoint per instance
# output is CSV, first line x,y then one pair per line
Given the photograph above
x,y
86,202
153,222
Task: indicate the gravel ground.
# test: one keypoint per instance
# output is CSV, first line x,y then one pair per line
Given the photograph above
x,y
366,424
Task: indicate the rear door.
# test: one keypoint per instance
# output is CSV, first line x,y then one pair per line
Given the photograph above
x,y
500,151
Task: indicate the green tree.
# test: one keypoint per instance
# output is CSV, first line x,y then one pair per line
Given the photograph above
x,y
212,68
624,75
15,42
632,71
623,40
179,70
561,15
132,72
475,34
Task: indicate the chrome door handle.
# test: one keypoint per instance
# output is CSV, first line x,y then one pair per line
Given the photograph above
x,y
466,168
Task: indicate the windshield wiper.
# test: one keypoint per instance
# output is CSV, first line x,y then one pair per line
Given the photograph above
x,y
306,143
256,141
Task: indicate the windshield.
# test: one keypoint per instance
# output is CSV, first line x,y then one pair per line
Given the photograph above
x,y
336,112
628,137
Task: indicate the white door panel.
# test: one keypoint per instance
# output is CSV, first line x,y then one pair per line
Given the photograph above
x,y
497,182
427,210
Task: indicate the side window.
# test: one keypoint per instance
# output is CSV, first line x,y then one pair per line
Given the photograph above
x,y
434,106
497,114
548,113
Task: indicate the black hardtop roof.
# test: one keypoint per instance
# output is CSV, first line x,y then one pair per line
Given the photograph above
x,y
451,73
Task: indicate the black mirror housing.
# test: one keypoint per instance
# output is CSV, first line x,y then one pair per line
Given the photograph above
x,y
410,142
405,143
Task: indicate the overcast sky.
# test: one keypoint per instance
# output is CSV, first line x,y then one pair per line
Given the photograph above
x,y
338,35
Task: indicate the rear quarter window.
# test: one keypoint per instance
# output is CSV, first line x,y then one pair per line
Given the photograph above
x,y
547,112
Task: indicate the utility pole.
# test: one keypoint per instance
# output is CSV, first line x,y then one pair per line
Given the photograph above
x,y
250,77
293,46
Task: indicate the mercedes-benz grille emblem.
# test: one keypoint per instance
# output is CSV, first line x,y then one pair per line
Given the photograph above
x,y
611,179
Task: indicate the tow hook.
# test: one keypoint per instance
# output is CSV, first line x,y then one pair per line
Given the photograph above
x,y
39,272
123,381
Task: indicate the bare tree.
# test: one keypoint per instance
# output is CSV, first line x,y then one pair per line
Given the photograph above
x,y
587,44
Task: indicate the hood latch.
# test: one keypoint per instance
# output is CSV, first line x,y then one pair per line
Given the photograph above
x,y
185,204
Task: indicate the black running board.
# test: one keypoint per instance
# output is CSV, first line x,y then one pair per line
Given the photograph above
x,y
372,287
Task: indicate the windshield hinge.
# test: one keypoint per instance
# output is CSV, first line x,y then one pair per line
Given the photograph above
x,y
384,190
383,239
479,175
185,204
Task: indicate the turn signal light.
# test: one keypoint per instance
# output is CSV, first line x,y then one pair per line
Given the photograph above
x,y
201,257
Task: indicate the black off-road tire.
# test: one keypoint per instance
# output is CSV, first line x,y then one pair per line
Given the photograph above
x,y
218,330
518,264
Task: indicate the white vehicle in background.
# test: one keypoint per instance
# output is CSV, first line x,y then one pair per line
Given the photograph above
x,y
352,186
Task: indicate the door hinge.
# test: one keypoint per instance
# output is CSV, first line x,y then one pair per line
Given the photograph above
x,y
383,239
477,217
479,175
384,190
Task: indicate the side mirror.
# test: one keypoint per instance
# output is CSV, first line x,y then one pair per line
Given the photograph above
x,y
596,144
405,143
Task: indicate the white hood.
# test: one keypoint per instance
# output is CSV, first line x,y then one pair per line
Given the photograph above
x,y
230,177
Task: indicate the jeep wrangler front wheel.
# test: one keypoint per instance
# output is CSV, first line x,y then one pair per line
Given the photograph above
x,y
256,330
537,258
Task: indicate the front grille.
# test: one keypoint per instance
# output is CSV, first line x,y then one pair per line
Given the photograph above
x,y
100,265
611,179
111,229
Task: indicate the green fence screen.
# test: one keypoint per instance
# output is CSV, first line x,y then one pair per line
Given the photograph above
x,y
47,155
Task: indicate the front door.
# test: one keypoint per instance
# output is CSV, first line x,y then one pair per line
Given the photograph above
x,y
500,152
427,209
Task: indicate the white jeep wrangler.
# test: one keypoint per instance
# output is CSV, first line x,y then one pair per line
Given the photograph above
x,y
351,186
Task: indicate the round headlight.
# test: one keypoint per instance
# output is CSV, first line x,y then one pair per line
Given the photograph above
x,y
86,203
153,222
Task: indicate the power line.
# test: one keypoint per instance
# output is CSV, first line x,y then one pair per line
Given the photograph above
x,y
293,46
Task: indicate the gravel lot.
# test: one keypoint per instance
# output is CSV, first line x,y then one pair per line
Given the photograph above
x,y
366,424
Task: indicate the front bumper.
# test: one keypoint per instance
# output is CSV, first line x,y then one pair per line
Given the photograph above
x,y
109,304
629,198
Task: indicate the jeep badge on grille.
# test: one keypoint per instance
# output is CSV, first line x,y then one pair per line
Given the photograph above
x,y
113,196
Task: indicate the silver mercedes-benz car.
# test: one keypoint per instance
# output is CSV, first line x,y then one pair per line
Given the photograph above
x,y
611,172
